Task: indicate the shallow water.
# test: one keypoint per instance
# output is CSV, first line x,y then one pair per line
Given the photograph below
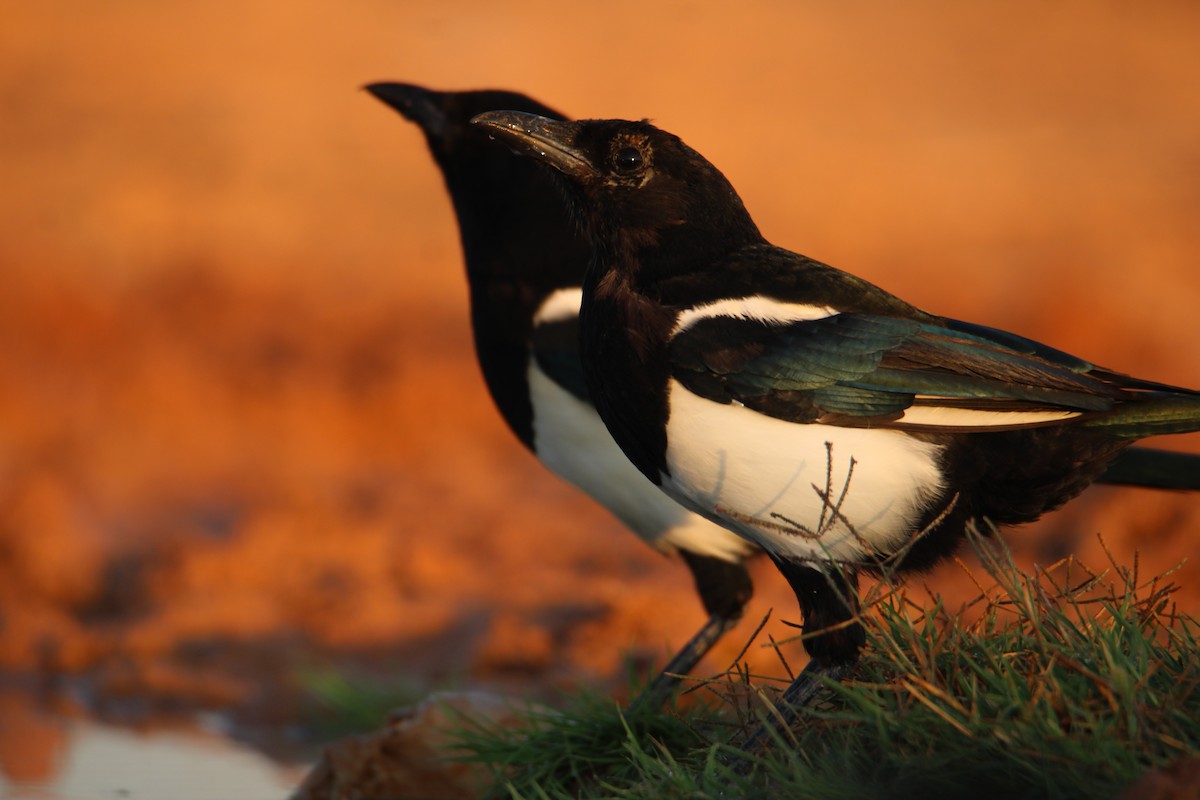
x,y
80,760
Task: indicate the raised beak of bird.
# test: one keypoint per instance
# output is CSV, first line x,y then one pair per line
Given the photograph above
x,y
550,141
415,103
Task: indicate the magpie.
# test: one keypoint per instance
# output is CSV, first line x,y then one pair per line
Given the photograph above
x,y
525,261
831,423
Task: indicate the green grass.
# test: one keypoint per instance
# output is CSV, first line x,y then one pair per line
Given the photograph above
x,y
1060,684
336,705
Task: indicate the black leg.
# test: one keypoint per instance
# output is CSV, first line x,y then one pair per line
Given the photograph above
x,y
799,694
681,664
724,588
829,603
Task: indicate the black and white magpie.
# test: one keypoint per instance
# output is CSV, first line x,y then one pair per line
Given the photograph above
x,y
825,420
525,261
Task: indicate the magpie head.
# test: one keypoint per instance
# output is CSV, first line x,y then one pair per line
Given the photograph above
x,y
514,217
641,188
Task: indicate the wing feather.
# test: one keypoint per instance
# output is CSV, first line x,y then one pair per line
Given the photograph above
x,y
854,369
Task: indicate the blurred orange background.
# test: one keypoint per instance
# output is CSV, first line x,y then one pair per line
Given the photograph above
x,y
241,428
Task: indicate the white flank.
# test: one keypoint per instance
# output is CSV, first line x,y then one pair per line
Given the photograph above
x,y
559,305
944,417
765,478
754,307
572,441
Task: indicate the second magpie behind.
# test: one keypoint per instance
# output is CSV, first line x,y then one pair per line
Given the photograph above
x,y
525,260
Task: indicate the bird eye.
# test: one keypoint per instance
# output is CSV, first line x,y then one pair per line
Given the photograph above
x,y
628,159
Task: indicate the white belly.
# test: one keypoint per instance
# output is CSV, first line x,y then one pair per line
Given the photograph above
x,y
571,440
791,488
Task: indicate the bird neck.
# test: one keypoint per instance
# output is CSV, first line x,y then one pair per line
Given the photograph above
x,y
623,336
519,246
649,259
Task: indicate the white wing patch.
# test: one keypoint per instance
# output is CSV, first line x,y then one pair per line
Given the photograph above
x,y
809,492
946,417
766,309
559,305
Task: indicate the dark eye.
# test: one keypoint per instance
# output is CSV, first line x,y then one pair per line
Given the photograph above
x,y
628,159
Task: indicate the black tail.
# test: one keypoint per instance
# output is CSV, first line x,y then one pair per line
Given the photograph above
x,y
1154,469
1154,413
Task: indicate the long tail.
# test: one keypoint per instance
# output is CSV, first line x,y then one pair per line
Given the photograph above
x,y
1152,414
1154,469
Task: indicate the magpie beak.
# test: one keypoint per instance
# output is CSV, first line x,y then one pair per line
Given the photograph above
x,y
551,141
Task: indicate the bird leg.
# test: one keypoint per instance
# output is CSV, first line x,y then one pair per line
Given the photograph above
x,y
833,639
724,588
682,663
800,694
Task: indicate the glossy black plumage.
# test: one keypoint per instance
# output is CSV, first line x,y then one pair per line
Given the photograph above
x,y
519,245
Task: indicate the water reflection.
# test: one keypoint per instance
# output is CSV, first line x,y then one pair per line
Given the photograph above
x,y
42,758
